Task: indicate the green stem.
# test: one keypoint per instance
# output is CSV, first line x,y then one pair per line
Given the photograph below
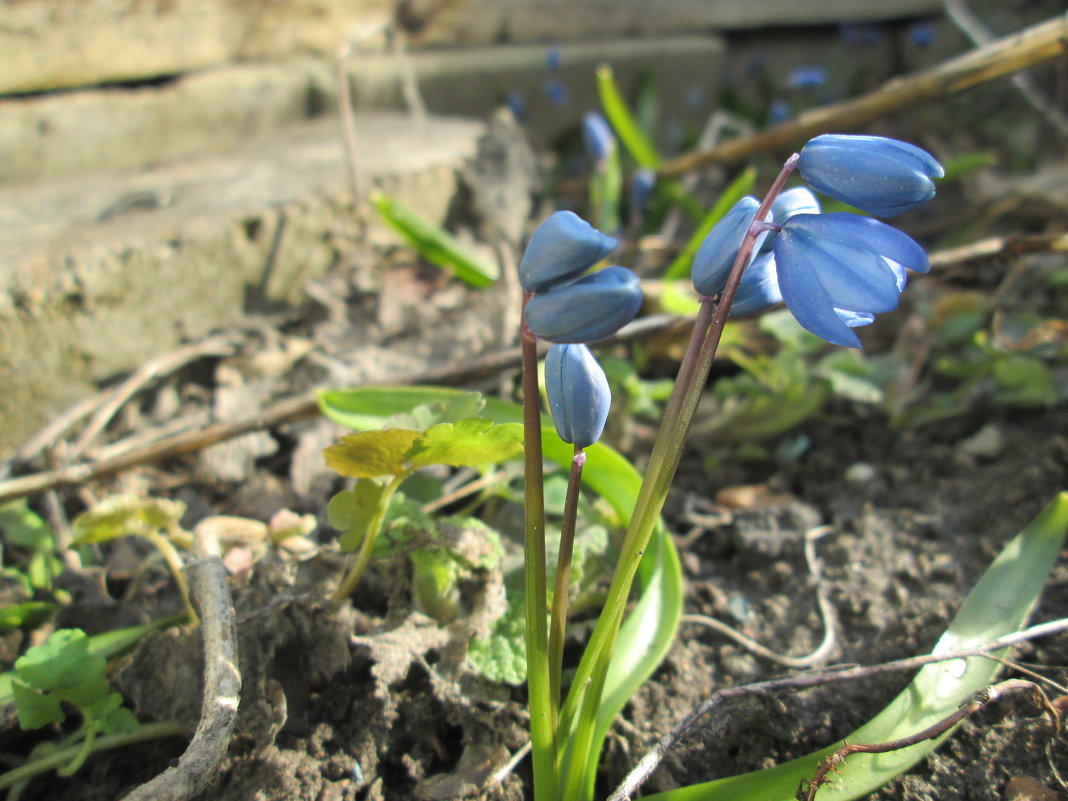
x,y
543,710
562,587
57,759
664,462
363,556
85,749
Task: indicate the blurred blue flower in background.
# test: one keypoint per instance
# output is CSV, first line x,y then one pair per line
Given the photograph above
x,y
597,136
808,77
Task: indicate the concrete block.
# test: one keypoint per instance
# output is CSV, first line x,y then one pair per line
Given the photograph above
x,y
99,272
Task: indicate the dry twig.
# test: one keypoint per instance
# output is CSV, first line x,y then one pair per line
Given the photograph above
x,y
198,767
1031,46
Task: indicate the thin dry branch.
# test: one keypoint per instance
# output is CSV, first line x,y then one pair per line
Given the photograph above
x,y
288,409
1042,42
198,767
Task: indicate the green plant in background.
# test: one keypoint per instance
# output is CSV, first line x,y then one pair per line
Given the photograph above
x,y
28,556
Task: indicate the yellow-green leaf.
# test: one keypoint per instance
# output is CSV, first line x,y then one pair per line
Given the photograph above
x,y
468,443
369,454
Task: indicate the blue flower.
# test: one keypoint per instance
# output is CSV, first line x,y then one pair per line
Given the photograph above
x,y
837,271
642,184
590,308
713,261
578,393
807,77
561,248
880,176
597,136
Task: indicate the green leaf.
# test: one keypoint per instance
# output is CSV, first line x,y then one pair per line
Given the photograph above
x,y
351,511
501,655
120,721
737,189
1024,381
999,604
36,709
60,662
449,410
467,443
28,613
369,454
106,644
20,525
122,515
363,409
623,123
435,244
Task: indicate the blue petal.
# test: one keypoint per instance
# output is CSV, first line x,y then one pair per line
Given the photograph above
x,y
853,277
578,393
854,319
713,261
591,308
865,233
805,296
759,288
561,248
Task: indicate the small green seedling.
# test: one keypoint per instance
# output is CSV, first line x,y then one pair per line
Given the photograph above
x,y
62,673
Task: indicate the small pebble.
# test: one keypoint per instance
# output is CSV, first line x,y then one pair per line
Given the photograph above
x,y
986,443
859,474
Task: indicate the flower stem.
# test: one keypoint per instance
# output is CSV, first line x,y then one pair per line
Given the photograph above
x,y
663,464
563,574
543,709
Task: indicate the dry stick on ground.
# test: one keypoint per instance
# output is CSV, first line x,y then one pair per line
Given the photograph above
x,y
1029,47
975,702
293,408
644,769
198,767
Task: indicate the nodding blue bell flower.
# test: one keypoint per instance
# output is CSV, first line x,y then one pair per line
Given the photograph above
x,y
798,200
561,248
578,393
713,261
591,308
597,136
642,184
836,271
758,289
880,176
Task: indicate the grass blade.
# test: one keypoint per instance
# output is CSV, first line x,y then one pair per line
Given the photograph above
x,y
623,123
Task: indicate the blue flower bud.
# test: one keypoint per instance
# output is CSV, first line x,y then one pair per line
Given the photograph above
x,y
714,259
837,270
579,398
759,288
880,176
642,184
561,248
798,200
591,308
597,136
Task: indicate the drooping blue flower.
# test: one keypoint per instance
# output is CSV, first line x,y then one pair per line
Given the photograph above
x,y
562,247
586,310
836,271
880,176
578,393
597,136
758,289
642,184
713,261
